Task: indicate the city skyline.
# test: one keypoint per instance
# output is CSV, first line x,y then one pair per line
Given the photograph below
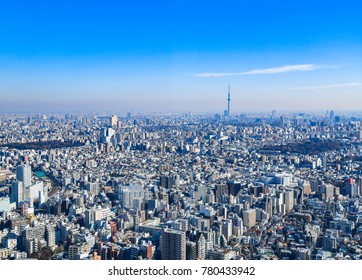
x,y
181,187
176,57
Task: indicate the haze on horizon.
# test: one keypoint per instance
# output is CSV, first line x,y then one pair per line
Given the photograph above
x,y
180,56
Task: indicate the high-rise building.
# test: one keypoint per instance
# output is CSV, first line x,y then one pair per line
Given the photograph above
x,y
331,115
352,188
50,235
113,120
237,226
23,174
17,194
107,135
289,200
282,121
327,191
201,247
227,228
220,190
190,250
249,218
359,184
173,245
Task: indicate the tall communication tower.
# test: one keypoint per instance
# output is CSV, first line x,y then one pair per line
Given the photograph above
x,y
228,100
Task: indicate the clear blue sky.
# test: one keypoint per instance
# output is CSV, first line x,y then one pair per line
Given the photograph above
x,y
180,55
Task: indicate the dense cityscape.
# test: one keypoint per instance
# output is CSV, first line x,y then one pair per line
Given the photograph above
x,y
266,186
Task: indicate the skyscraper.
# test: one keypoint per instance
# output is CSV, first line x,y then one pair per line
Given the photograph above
x,y
17,193
106,135
331,115
173,245
113,120
23,174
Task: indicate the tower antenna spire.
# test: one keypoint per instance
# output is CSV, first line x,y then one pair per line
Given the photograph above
x,y
228,100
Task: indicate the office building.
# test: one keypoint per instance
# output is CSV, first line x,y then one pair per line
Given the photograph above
x,y
23,174
113,120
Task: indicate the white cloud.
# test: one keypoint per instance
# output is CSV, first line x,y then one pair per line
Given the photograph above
x,y
274,70
354,84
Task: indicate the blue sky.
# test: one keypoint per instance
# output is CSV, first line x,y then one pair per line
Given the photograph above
x,y
180,55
